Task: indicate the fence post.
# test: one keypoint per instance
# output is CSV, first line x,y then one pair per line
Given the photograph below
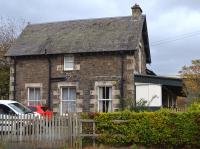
x,y
80,132
69,129
94,128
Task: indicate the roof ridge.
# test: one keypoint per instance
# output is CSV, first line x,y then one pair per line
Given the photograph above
x,y
79,36
78,20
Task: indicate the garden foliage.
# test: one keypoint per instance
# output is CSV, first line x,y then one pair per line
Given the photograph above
x,y
191,79
161,128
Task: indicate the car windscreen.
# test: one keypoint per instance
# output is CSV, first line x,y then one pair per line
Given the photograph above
x,y
20,108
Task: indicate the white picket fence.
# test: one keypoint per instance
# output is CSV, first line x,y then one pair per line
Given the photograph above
x,y
59,130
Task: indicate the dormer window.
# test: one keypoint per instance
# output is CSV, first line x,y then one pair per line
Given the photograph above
x,y
68,62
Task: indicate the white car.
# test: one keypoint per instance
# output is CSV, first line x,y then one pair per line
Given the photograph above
x,y
13,113
10,107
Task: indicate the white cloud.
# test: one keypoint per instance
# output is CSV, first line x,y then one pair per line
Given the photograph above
x,y
164,19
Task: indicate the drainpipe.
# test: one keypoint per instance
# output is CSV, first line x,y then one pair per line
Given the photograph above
x,y
49,80
14,83
122,81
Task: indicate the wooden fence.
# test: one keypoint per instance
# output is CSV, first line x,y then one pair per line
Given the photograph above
x,y
178,109
58,131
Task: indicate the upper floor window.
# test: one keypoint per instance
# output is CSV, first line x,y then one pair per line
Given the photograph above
x,y
69,62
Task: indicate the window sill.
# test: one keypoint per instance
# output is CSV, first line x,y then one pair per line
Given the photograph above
x,y
69,69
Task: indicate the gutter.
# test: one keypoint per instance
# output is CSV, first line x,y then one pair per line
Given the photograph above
x,y
58,79
49,80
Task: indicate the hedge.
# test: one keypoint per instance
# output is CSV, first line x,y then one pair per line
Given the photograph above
x,y
162,128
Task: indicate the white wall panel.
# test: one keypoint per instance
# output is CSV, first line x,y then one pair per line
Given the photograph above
x,y
150,92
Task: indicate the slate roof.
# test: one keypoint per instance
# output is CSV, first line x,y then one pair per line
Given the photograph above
x,y
80,36
163,80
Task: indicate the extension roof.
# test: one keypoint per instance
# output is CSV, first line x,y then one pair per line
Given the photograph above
x,y
82,36
173,83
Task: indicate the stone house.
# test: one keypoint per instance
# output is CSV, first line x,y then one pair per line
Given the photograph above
x,y
80,65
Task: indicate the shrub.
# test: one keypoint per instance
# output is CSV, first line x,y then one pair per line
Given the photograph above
x,y
161,128
194,107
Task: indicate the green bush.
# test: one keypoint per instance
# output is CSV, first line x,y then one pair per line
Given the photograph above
x,y
161,128
194,107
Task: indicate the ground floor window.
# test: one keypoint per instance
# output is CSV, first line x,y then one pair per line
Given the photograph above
x,y
34,95
105,99
68,99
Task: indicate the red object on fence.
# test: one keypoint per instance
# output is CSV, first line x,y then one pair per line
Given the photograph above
x,y
42,110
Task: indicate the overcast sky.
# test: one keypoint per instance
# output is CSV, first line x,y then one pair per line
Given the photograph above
x,y
173,25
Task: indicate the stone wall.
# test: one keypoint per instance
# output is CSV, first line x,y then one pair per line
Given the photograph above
x,y
31,70
90,70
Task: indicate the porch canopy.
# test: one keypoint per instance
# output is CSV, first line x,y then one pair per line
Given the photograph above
x,y
170,88
172,83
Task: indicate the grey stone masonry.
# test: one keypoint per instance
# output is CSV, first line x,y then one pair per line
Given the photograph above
x,y
104,67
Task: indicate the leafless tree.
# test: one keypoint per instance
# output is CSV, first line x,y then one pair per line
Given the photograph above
x,y
9,30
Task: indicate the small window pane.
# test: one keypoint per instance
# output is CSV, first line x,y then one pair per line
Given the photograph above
x,y
37,93
72,93
100,92
107,92
31,93
69,58
105,106
64,107
64,93
110,93
104,92
68,106
68,63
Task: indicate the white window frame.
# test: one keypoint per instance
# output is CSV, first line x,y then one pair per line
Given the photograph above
x,y
61,100
110,99
38,101
68,59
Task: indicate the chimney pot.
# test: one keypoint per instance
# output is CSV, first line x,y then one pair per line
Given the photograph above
x,y
136,10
